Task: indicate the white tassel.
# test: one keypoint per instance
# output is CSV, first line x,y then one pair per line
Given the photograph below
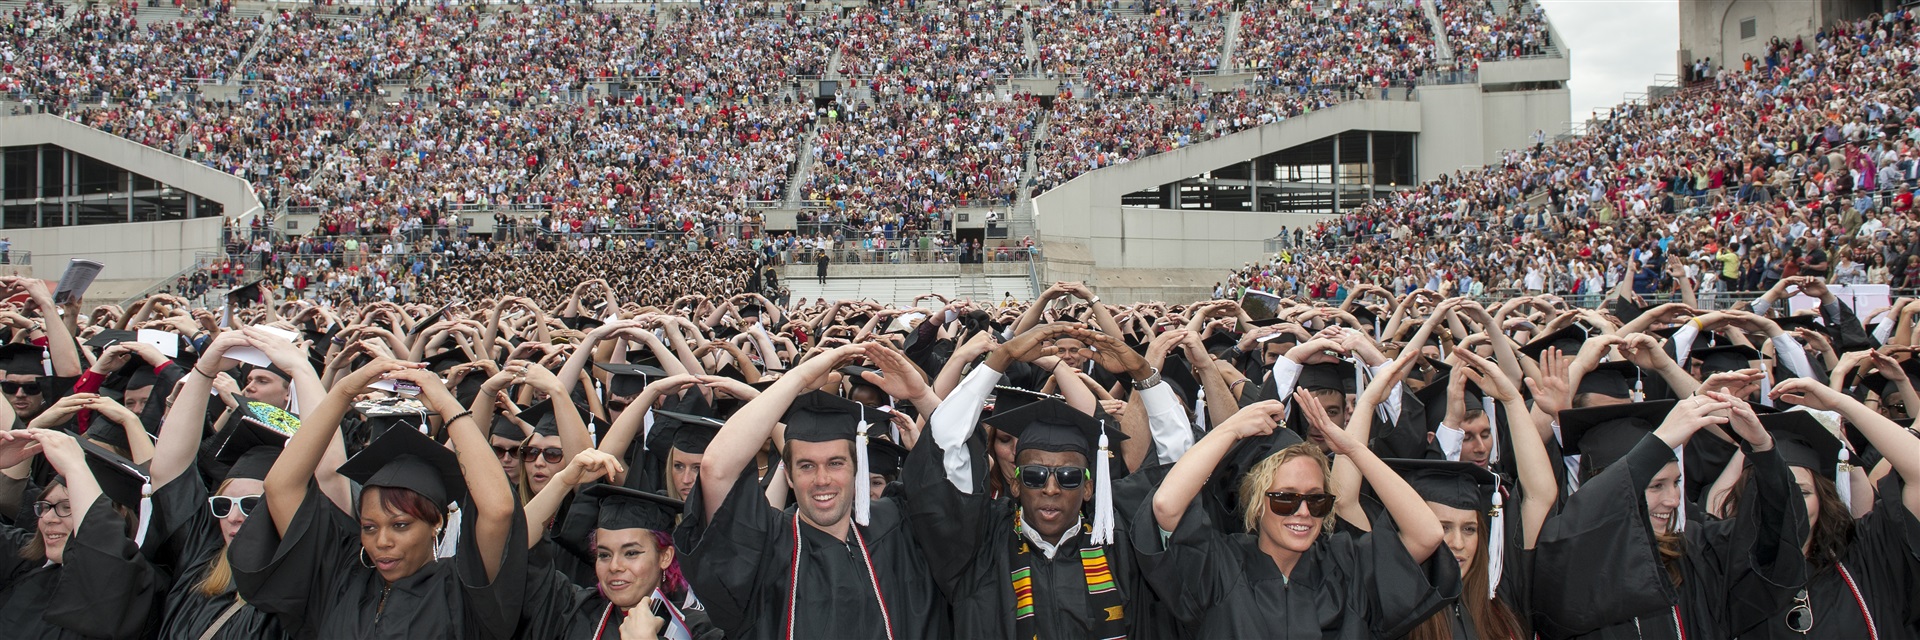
x,y
1497,545
1766,386
1487,405
1843,480
146,514
1200,408
1680,512
1102,491
862,496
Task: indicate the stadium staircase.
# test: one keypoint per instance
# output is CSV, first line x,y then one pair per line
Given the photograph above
x,y
269,17
1228,43
1441,48
803,167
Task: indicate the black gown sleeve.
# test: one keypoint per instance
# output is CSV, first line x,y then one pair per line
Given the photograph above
x,y
1400,593
1602,534
288,576
1194,569
492,606
1885,553
1766,566
181,532
723,558
950,525
106,588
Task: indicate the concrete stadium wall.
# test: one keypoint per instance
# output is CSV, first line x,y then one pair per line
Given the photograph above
x,y
233,193
1711,28
136,253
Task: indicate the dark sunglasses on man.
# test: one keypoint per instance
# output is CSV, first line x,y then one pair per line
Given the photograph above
x,y
1286,503
1034,476
29,388
223,506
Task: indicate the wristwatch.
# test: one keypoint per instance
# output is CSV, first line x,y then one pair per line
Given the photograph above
x,y
1149,382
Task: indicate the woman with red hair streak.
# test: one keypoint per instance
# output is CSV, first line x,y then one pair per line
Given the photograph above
x,y
639,592
378,575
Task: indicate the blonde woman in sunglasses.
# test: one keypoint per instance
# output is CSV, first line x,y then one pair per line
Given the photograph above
x,y
1290,574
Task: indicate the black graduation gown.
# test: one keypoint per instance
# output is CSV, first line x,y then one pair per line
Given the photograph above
x,y
314,581
185,538
1884,561
741,565
969,539
103,589
1345,587
1602,535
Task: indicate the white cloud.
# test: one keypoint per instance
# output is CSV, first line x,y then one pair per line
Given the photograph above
x,y
1618,47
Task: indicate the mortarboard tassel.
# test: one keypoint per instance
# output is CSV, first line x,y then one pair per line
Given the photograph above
x,y
1679,523
1103,491
146,513
1200,407
1843,480
1487,405
1497,545
1766,386
862,497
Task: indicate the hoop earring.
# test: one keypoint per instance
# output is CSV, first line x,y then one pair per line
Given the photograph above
x,y
365,560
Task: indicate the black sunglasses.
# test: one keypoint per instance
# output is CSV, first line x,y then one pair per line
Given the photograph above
x,y
1034,476
552,454
1285,503
222,506
507,452
31,388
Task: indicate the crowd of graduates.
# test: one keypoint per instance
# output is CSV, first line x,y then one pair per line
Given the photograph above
x,y
593,465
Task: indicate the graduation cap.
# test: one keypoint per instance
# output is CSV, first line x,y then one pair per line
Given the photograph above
x,y
101,341
1604,434
252,439
408,459
1624,309
1804,442
1808,321
545,422
244,295
1617,379
1369,319
1007,398
1879,383
1721,359
1335,376
1266,322
123,481
687,432
439,363
1569,340
1465,486
852,374
884,457
378,417
1054,425
628,379
23,359
622,508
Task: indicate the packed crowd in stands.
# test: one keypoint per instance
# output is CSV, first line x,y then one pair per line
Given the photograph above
x,y
1804,164
1478,32
400,112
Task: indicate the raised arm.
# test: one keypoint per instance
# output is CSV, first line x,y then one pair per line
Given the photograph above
x,y
585,467
1537,484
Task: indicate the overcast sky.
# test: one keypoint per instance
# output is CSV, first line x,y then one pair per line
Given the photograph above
x,y
1619,46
